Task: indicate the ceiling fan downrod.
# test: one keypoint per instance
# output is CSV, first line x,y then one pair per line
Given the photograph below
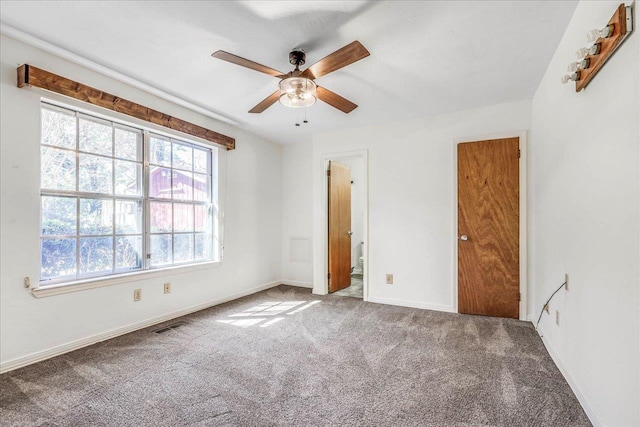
x,y
297,57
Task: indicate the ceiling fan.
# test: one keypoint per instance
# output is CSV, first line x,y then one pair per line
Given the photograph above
x,y
298,88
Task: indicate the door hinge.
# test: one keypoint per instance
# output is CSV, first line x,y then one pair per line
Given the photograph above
x,y
519,297
328,275
328,172
518,153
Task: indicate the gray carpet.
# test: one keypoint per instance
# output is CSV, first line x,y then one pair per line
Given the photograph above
x,y
287,357
355,290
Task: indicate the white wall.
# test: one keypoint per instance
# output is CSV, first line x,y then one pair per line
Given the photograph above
x,y
297,213
412,198
29,326
585,192
297,208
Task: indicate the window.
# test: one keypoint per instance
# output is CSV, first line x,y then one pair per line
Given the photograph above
x,y
117,199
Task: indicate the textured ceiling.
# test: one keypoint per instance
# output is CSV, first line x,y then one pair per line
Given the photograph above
x,y
427,57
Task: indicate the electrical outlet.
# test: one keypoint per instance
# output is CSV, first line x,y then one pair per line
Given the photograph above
x,y
137,294
167,287
566,281
558,317
389,279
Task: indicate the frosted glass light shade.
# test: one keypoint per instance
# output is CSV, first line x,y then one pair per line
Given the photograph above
x,y
297,92
604,33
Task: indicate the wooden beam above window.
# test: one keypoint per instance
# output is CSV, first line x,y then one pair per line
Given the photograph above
x,y
29,75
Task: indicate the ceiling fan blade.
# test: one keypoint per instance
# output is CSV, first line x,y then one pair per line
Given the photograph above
x,y
234,59
266,103
335,100
349,54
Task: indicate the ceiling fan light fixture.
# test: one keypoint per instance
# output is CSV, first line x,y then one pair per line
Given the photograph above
x,y
297,92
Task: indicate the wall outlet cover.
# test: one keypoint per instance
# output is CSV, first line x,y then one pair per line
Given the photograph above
x,y
137,295
167,287
389,279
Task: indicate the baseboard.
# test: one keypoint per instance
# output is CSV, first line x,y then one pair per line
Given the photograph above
x,y
574,386
412,304
297,283
75,345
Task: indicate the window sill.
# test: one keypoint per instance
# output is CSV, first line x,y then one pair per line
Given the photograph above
x,y
85,284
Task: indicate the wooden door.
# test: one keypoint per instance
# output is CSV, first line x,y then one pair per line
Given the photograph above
x,y
339,177
489,228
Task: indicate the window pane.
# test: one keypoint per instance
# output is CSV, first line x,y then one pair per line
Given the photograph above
x,y
128,178
182,247
160,216
128,217
58,128
200,160
96,216
160,182
182,157
161,253
58,258
128,144
58,169
160,152
59,216
202,218
95,174
129,253
203,246
96,137
182,217
182,185
96,254
200,187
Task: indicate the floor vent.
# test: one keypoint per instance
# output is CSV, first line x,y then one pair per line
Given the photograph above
x,y
167,328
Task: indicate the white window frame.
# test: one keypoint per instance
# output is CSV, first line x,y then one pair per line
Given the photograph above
x,y
148,199
90,280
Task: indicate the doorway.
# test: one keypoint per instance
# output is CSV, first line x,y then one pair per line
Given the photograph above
x,y
346,212
489,227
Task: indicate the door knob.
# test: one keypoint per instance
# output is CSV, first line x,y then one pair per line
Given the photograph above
x,y
350,233
464,237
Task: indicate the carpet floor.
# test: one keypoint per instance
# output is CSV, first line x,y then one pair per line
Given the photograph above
x,y
287,357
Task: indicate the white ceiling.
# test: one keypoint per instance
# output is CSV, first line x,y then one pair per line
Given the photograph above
x,y
427,57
